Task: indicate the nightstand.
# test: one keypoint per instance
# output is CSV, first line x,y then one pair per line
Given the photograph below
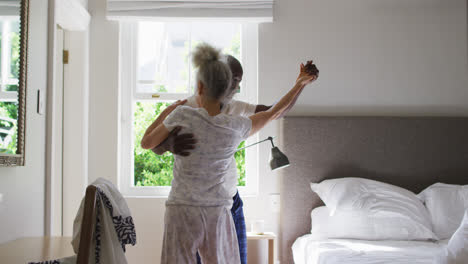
x,y
270,236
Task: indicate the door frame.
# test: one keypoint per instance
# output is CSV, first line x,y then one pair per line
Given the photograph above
x,y
62,194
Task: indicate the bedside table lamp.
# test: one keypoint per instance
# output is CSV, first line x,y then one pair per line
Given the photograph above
x,y
278,159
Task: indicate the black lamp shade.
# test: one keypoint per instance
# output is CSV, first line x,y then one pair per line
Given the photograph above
x,y
278,159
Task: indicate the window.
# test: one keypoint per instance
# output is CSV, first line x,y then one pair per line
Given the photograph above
x,y
156,70
9,72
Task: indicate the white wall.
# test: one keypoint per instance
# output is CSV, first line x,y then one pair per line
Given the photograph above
x,y
376,57
390,57
103,94
76,115
22,208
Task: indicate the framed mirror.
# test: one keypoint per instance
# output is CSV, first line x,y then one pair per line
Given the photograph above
x,y
14,16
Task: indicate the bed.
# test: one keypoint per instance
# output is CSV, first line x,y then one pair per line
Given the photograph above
x,y
410,152
336,251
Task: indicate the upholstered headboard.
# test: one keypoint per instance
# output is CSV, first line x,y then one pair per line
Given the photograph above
x,y
411,152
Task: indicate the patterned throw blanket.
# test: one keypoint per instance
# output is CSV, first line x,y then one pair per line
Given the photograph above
x,y
113,215
124,226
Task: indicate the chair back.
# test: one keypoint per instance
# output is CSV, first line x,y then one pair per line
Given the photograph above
x,y
87,225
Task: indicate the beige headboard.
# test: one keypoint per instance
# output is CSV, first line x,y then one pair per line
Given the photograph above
x,y
411,152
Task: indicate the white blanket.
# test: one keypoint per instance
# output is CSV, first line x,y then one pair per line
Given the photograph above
x,y
114,226
348,251
113,230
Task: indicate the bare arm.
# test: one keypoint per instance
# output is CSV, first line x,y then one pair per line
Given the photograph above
x,y
155,137
177,144
162,148
260,119
263,108
309,68
156,133
290,106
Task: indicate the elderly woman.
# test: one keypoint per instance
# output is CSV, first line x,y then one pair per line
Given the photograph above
x,y
198,214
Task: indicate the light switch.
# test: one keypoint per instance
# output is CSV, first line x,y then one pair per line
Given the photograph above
x,y
40,103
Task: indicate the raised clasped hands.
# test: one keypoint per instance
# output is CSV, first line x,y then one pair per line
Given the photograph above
x,y
308,73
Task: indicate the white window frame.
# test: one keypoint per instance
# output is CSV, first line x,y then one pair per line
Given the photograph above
x,y
128,62
7,96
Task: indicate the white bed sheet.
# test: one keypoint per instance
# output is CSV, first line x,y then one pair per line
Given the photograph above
x,y
349,251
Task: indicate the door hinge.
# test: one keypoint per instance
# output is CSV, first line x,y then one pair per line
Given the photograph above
x,y
65,56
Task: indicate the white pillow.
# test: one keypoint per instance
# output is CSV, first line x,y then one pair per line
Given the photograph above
x,y
456,251
445,204
377,200
357,224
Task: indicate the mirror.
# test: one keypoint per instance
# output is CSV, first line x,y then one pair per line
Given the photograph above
x,y
13,65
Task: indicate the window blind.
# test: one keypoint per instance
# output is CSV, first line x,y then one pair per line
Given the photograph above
x,y
179,10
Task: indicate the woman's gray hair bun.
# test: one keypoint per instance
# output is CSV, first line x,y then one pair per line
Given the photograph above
x,y
204,53
212,72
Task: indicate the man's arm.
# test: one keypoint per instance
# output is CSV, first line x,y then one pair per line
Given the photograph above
x,y
176,144
156,133
262,108
163,147
155,137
